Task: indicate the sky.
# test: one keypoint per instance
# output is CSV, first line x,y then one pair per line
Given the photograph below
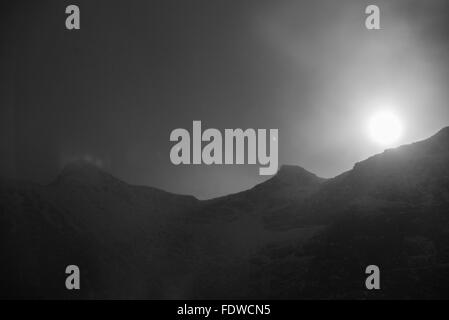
x,y
113,91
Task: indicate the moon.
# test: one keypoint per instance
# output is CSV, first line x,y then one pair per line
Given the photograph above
x,y
385,128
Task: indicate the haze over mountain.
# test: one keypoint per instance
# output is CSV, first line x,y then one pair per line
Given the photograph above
x,y
295,235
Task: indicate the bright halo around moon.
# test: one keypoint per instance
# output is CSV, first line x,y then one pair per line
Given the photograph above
x,y
385,128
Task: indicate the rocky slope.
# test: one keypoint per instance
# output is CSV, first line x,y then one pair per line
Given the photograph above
x,y
294,236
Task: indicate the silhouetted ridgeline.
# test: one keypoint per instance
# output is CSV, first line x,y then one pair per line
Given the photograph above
x,y
294,236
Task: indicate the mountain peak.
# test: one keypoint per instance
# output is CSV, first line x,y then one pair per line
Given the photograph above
x,y
296,173
85,172
291,176
292,169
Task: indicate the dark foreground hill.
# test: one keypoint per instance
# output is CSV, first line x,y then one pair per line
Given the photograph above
x,y
294,236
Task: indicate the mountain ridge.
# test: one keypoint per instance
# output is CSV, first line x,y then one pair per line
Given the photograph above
x,y
77,171
295,235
